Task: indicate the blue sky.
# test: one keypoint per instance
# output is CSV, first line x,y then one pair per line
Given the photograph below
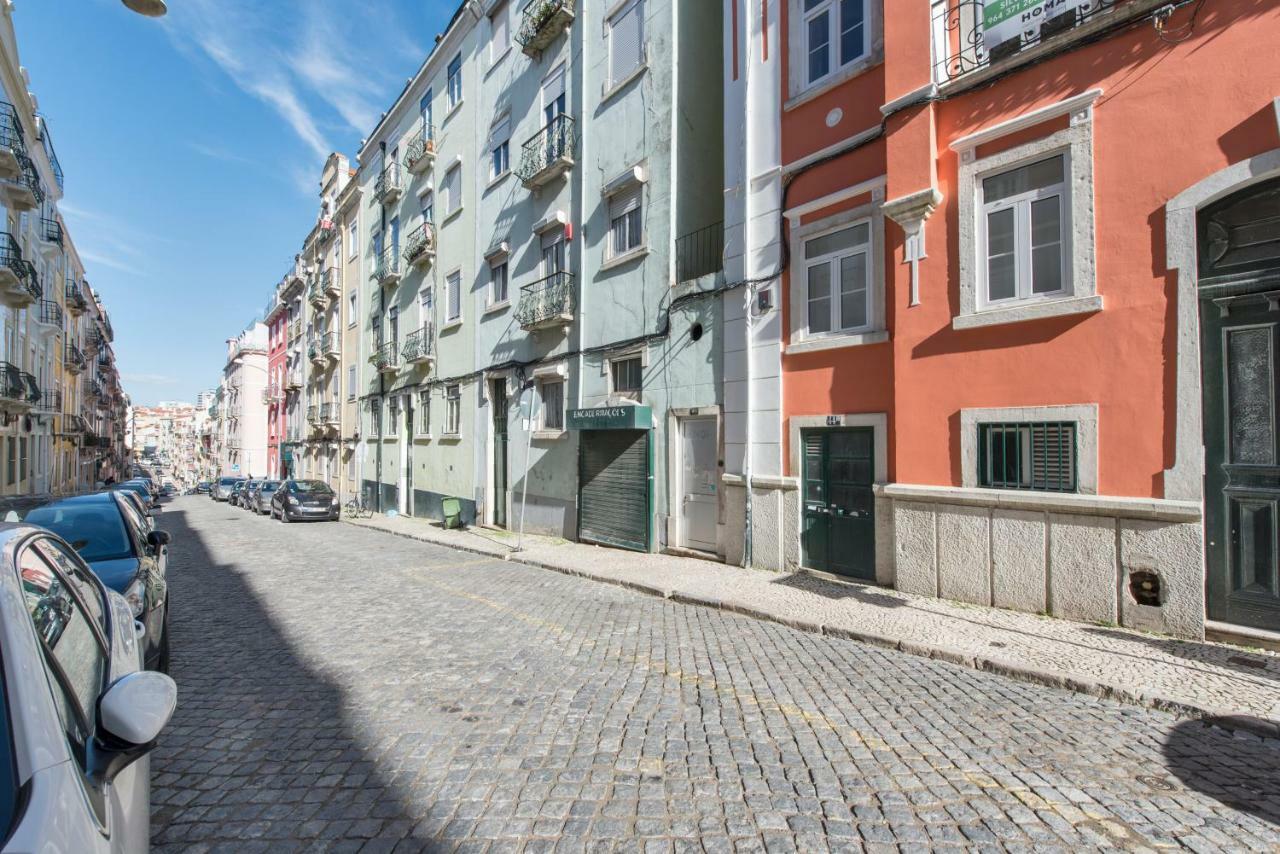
x,y
192,148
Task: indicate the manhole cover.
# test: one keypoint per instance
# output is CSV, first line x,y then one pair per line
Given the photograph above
x,y
1160,784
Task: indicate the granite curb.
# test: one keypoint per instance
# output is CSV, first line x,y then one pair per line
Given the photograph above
x,y
1224,719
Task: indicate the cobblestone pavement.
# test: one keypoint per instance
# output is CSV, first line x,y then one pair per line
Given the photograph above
x,y
345,690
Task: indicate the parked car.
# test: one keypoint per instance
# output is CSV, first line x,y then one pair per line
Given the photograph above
x,y
249,494
260,502
203,487
237,493
129,557
221,490
78,715
304,499
140,488
140,505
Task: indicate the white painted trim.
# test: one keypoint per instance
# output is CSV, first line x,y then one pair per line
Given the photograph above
x,y
800,92
1085,415
927,92
874,186
836,342
555,219
633,175
1037,310
797,292
626,257
834,148
610,89
1064,107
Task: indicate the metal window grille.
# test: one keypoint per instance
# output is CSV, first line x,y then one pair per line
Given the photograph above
x,y
627,375
1028,455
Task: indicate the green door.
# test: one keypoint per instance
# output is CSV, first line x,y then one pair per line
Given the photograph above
x,y
1240,342
613,488
839,525
500,412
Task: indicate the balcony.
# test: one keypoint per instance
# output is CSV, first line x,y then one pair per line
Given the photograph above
x,y
546,303
73,424
323,349
549,153
316,295
313,416
420,246
325,231
50,401
24,191
50,235
12,141
49,316
386,268
420,153
419,346
386,358
330,283
73,358
295,330
73,294
541,23
329,416
19,286
293,380
330,346
388,187
18,389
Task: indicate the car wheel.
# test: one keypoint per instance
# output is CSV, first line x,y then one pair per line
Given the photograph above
x,y
284,515
162,662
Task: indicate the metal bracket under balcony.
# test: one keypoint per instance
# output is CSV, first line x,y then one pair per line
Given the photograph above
x,y
541,23
549,153
547,303
386,269
24,192
420,246
386,358
419,346
388,187
420,154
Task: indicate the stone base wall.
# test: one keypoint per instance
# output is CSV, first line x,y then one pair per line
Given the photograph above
x,y
775,529
1078,557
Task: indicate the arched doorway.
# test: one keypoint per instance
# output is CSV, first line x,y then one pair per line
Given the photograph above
x,y
1238,243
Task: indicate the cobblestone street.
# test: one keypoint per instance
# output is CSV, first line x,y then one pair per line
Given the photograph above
x,y
343,689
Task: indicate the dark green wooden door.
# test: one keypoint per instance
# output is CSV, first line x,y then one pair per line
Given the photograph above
x,y
613,488
839,527
500,413
1240,342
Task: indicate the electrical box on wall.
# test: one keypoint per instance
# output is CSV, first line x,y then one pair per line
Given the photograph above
x,y
764,300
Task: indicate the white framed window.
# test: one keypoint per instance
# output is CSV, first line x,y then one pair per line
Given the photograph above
x,y
836,34
351,382
499,33
424,412
626,42
455,81
553,252
453,296
500,148
393,414
353,302
626,376
1024,230
837,280
551,404
375,416
426,301
451,189
625,220
499,283
453,410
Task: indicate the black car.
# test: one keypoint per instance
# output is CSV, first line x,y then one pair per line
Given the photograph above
x,y
237,493
304,499
249,494
140,487
139,504
203,487
113,538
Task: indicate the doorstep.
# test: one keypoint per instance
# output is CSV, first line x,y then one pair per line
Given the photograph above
x,y
1236,688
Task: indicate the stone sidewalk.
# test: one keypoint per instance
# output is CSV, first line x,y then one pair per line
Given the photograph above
x,y
1239,687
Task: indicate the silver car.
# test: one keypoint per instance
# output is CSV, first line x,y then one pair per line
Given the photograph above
x,y
223,488
260,498
79,715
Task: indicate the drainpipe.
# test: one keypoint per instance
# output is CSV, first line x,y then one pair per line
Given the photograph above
x,y
747,540
576,205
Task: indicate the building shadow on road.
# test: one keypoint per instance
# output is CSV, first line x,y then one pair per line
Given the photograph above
x,y
865,593
262,751
1240,771
1259,667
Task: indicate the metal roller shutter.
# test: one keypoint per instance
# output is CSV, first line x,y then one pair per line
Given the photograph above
x,y
613,488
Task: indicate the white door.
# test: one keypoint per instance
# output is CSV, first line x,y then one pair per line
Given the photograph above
x,y
698,484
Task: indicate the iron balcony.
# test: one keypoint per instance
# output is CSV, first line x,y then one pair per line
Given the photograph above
x,y
24,191
15,394
51,232
547,302
386,269
386,358
74,358
12,141
19,284
50,316
419,346
329,282
420,246
388,187
329,415
329,345
51,400
420,153
316,295
313,415
541,23
73,294
549,153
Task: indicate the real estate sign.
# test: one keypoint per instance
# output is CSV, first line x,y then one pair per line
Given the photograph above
x,y
1006,19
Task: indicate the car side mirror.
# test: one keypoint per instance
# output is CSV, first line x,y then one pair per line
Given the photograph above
x,y
131,714
158,538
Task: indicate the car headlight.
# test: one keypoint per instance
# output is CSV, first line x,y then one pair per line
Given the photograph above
x,y
136,596
334,501
292,499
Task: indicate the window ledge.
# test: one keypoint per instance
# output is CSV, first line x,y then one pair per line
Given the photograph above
x,y
814,90
497,179
617,87
625,258
451,215
835,342
453,110
452,438
1029,311
549,435
495,307
422,437
497,60
452,324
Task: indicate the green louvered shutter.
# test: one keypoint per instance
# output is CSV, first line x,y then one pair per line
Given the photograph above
x,y
613,488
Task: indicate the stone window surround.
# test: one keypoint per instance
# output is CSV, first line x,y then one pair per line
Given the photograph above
x,y
543,374
877,421
800,340
1085,416
798,92
1077,142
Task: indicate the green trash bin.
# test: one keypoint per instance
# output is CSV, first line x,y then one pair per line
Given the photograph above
x,y
451,508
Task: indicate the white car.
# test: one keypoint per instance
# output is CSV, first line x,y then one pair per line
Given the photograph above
x,y
80,714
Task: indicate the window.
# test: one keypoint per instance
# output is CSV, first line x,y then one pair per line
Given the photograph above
x,y
424,108
393,324
626,41
499,148
499,33
375,417
625,221
425,302
626,375
352,307
427,202
22,458
553,252
1028,455
455,82
424,413
351,382
553,95
835,35
837,280
453,410
552,394
11,472
498,282
393,413
1023,232
452,190
453,292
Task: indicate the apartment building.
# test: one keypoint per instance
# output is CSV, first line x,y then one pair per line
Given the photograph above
x,y
276,319
241,411
349,218
1020,338
166,433
291,293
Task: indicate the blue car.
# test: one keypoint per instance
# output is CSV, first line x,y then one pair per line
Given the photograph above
x,y
128,557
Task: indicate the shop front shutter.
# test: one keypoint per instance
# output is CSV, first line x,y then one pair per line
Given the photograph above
x,y
613,488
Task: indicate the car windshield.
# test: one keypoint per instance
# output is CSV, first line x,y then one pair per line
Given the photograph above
x,y
312,487
227,481
95,530
271,486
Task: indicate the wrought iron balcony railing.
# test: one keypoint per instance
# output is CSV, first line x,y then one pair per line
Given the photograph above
x,y
549,152
12,139
73,294
50,400
388,186
329,281
420,153
419,345
700,253
386,268
547,302
420,245
329,414
315,293
313,414
50,314
386,357
19,284
50,231
13,385
46,138
73,358
295,330
26,192
541,23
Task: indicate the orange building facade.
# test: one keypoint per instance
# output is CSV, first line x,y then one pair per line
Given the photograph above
x,y
1027,312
